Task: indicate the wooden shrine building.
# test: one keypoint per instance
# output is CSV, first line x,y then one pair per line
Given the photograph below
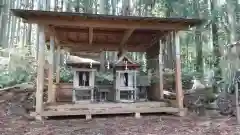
x,y
81,32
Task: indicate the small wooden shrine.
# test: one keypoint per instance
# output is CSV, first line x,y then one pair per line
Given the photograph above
x,y
84,78
125,82
81,32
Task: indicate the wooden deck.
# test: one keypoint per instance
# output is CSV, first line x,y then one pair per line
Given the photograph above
x,y
88,109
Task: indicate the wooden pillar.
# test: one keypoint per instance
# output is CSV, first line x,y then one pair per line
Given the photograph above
x,y
40,71
102,60
160,61
51,94
58,65
179,91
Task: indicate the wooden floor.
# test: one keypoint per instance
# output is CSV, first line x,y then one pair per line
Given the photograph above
x,y
67,109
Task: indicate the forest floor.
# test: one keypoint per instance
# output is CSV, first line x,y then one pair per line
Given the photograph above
x,y
14,121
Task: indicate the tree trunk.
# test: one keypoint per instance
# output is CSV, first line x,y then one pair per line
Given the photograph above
x,y
102,10
169,49
231,20
3,37
77,7
216,49
126,8
198,35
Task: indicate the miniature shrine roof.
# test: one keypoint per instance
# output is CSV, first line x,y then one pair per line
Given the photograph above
x,y
79,60
125,58
97,32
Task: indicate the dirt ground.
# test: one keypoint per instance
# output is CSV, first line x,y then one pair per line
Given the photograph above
x,y
14,121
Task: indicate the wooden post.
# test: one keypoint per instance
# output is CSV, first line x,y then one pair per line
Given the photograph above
x,y
160,60
102,60
40,70
237,102
51,93
58,65
179,91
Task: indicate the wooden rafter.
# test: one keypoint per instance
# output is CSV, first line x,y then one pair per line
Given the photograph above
x,y
126,36
90,35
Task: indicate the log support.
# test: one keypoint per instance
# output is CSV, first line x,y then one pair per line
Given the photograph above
x,y
58,65
40,71
51,92
179,91
160,61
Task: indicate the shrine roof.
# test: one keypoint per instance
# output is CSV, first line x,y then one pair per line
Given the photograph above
x,y
98,32
37,14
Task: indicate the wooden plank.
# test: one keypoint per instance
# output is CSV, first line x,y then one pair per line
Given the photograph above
x,y
40,70
179,91
107,24
111,111
107,105
126,36
51,92
65,85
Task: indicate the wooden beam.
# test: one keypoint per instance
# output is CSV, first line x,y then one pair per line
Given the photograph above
x,y
86,44
51,91
126,36
100,47
40,70
58,65
90,35
107,24
104,31
179,91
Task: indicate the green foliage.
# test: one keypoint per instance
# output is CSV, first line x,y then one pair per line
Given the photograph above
x,y
187,77
104,78
66,75
18,76
18,69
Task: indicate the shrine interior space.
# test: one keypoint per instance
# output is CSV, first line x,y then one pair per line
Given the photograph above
x,y
118,86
